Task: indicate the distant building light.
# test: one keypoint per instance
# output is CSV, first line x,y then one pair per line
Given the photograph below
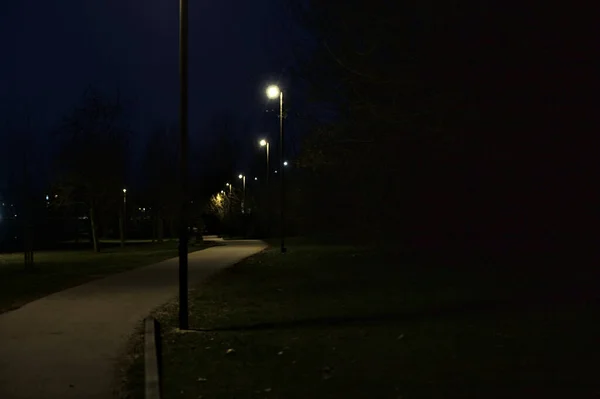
x,y
47,197
256,178
285,163
275,171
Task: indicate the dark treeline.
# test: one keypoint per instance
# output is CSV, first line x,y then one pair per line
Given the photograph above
x,y
457,128
77,192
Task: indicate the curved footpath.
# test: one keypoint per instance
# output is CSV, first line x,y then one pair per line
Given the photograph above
x,y
67,345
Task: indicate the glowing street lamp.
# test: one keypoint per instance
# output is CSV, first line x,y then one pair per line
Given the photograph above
x,y
273,92
285,163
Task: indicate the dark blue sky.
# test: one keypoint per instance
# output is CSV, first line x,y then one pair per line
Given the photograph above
x,y
52,50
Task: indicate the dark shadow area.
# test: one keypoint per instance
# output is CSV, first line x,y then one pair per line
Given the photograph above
x,y
476,309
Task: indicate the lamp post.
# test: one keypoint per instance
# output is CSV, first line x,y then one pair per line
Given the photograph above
x,y
183,125
265,143
274,92
124,218
229,200
243,178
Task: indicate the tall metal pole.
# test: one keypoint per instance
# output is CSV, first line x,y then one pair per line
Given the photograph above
x,y
124,218
244,195
268,171
183,124
282,169
230,203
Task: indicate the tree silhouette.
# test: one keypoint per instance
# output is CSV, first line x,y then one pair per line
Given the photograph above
x,y
91,162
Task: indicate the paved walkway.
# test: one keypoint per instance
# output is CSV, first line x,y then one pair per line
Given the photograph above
x,y
67,345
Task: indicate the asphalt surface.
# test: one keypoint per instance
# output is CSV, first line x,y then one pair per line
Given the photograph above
x,y
67,345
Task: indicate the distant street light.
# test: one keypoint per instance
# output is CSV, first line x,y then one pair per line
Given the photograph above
x,y
274,92
285,163
256,178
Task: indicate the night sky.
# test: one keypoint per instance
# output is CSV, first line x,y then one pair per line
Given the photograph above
x,y
52,51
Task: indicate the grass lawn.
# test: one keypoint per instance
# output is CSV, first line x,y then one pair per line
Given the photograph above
x,y
344,322
61,269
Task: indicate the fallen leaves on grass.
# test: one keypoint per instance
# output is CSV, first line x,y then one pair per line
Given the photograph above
x,y
327,372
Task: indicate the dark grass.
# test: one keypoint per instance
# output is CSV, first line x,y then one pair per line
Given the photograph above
x,y
61,269
335,321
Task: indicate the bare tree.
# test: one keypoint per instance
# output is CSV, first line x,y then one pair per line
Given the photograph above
x,y
92,157
160,176
21,158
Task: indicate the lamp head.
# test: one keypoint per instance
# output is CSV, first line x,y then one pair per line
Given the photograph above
x,y
273,91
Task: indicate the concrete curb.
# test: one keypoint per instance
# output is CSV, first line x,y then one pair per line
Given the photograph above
x,y
152,369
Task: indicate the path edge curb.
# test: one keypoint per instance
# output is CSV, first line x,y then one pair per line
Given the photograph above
x,y
152,366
